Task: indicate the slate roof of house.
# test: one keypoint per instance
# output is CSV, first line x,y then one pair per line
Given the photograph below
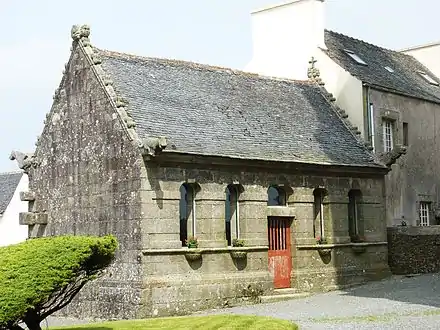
x,y
214,111
8,184
404,80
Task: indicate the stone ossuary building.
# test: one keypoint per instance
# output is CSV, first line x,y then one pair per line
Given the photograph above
x,y
156,151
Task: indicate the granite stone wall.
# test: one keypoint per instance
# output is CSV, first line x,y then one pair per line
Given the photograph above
x,y
88,183
414,250
174,285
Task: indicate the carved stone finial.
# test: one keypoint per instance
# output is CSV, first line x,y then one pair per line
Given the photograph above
x,y
313,72
24,161
312,62
79,32
153,146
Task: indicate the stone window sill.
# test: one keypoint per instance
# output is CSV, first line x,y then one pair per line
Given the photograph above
x,y
184,250
333,246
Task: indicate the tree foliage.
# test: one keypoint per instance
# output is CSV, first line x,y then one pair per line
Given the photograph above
x,y
40,276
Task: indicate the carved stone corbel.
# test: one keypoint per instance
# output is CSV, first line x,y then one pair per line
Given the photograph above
x,y
24,161
391,157
153,146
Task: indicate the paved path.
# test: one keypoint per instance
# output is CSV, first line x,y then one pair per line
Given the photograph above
x,y
396,303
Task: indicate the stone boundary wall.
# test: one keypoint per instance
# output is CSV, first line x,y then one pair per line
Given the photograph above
x,y
414,250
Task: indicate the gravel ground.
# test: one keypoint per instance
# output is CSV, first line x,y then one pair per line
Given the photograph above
x,y
396,303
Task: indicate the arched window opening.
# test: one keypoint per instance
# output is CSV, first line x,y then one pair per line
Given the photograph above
x,y
355,224
232,213
187,211
319,223
276,196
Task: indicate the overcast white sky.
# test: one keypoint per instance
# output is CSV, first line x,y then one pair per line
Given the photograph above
x,y
35,42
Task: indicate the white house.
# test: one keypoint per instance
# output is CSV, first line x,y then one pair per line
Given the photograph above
x,y
11,183
428,54
391,98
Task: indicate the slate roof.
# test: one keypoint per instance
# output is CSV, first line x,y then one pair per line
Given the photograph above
x,y
8,184
214,111
405,78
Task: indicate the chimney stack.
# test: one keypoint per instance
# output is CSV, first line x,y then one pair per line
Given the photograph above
x,y
285,37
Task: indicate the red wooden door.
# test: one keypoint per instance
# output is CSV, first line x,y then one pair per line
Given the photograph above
x,y
280,257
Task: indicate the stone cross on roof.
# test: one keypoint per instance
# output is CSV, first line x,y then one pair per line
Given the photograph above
x,y
313,72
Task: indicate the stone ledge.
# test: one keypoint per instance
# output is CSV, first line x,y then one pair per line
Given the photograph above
x,y
280,211
27,196
414,230
184,250
333,246
30,218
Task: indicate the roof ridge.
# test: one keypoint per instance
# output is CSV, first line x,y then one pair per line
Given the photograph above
x,y
199,65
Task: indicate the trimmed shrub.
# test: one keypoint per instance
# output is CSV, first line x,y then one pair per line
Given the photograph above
x,y
40,276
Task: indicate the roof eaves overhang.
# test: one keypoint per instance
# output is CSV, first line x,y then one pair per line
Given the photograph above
x,y
394,91
172,156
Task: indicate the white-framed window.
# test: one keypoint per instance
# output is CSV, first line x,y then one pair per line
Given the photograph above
x,y
424,213
387,126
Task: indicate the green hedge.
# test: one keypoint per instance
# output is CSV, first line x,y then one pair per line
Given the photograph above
x,y
40,276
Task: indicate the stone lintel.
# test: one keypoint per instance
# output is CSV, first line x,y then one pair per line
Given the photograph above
x,y
280,211
31,218
27,196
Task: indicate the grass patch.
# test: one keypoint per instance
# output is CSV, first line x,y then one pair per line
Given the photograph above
x,y
367,318
217,322
387,317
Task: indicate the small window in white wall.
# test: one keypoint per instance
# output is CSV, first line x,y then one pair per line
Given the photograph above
x,y
355,57
424,213
428,78
387,126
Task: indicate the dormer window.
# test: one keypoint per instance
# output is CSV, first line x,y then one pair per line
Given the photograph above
x,y
428,78
389,69
355,57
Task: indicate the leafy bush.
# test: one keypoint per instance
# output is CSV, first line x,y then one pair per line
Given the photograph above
x,y
40,276
238,242
192,242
